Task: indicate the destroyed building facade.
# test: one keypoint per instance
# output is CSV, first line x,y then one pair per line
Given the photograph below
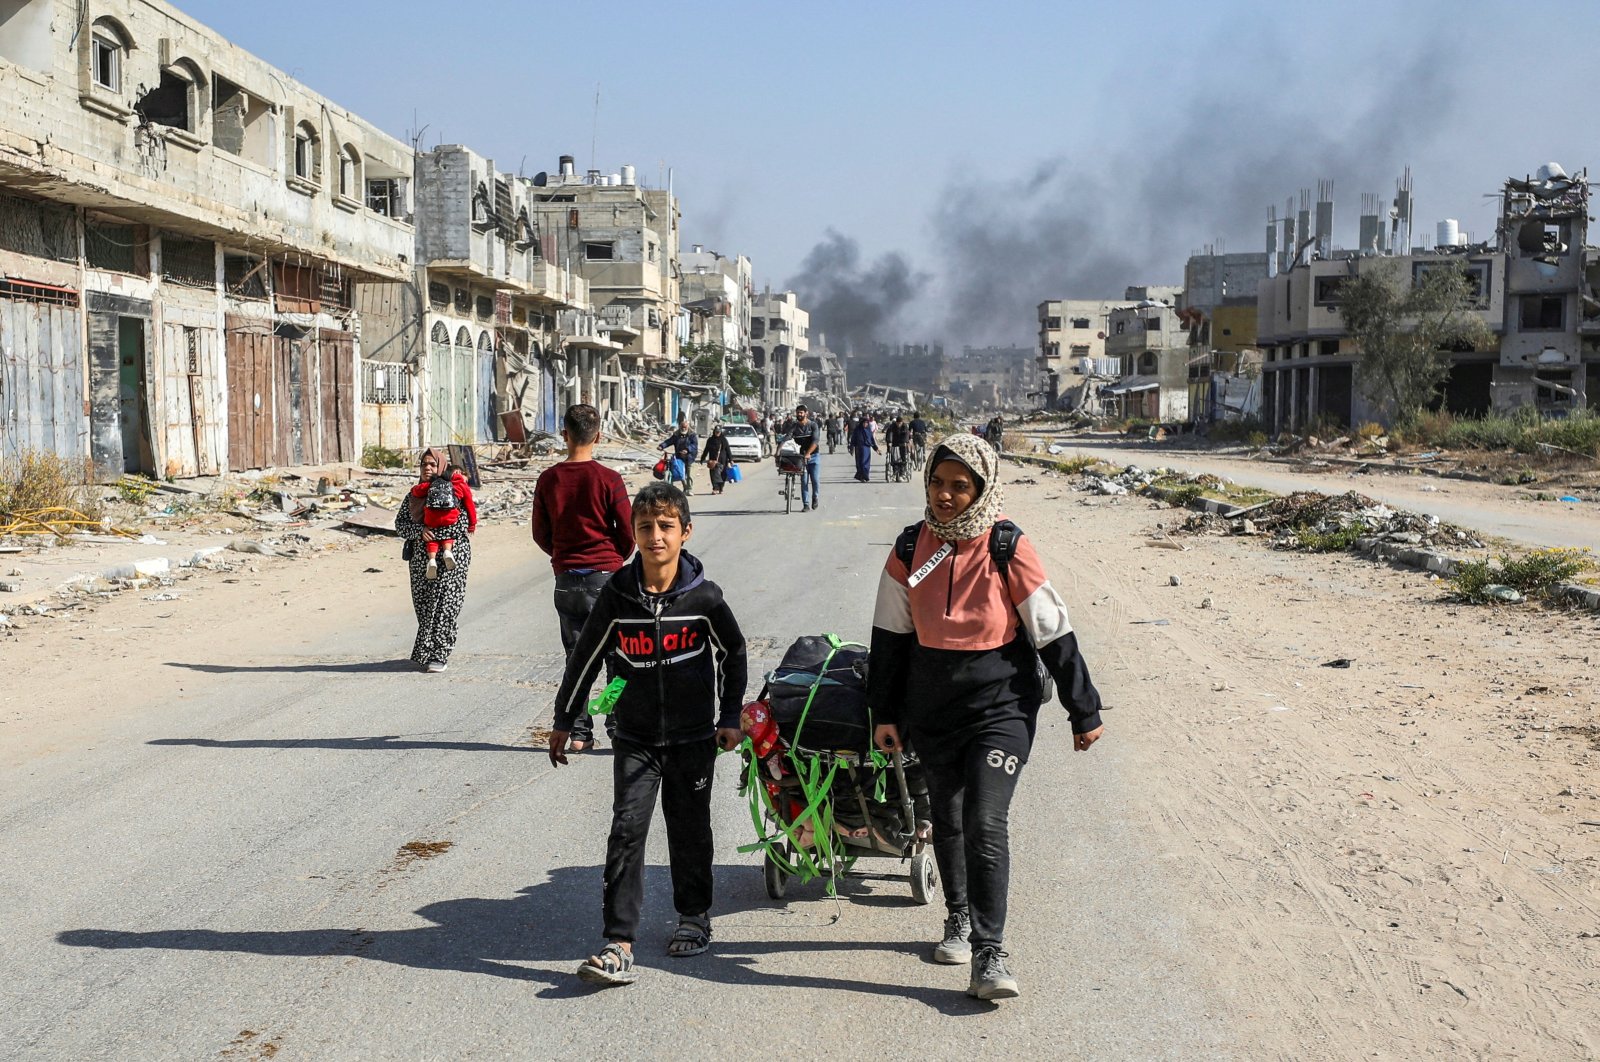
x,y
1536,289
502,314
779,341
181,230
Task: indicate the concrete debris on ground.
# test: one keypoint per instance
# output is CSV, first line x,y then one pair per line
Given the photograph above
x,y
1288,520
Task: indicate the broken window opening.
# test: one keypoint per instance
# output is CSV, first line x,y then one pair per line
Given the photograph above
x,y
758,328
241,124
599,252
1543,313
1329,291
307,152
383,196
1553,390
1079,322
438,294
1539,237
1051,323
170,103
485,306
463,301
244,276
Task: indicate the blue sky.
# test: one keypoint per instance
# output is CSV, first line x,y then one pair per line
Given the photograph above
x,y
1006,152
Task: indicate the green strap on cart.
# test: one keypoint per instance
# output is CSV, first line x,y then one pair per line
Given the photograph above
x,y
816,783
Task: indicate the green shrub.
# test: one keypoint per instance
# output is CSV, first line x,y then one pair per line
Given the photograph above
x,y
1534,574
382,457
1075,464
1315,541
1184,496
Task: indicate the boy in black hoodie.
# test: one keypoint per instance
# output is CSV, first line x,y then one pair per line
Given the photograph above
x,y
674,642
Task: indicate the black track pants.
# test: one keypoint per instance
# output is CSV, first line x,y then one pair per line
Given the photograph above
x,y
683,775
971,797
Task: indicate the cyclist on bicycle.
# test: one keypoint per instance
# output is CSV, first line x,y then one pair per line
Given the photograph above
x,y
898,436
919,438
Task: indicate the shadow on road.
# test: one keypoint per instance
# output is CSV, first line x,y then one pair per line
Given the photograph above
x,y
377,667
385,743
533,937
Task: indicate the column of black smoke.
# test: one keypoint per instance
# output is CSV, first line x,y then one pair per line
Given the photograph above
x,y
1132,212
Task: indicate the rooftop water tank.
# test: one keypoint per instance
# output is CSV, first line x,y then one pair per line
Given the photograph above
x,y
1449,233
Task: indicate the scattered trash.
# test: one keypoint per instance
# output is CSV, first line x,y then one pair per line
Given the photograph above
x,y
1279,708
1568,498
372,571
1205,602
200,555
151,566
10,588
1152,623
1506,594
1341,662
1166,543
245,545
149,540
163,596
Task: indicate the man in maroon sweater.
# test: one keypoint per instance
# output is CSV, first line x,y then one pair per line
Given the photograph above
x,y
583,520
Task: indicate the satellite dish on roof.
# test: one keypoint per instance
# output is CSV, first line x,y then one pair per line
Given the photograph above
x,y
541,179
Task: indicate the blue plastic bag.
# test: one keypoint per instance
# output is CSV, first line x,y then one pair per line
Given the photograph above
x,y
675,470
734,475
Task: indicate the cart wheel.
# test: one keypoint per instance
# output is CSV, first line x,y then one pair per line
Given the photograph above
x,y
776,878
924,877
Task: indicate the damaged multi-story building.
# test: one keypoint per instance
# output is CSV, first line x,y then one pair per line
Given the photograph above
x,y
621,238
779,341
182,227
1070,331
507,338
1536,288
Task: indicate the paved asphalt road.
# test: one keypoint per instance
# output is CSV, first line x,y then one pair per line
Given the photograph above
x,y
222,881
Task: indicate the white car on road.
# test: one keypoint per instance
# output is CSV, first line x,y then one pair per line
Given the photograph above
x,y
743,442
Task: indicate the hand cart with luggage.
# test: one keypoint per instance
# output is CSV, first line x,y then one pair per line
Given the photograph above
x,y
820,796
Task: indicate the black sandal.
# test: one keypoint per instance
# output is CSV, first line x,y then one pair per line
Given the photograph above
x,y
613,966
692,937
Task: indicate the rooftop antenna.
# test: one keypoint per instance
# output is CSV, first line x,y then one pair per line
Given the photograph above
x,y
594,131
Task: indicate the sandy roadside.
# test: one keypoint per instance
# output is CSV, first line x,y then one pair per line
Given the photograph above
x,y
266,608
1396,859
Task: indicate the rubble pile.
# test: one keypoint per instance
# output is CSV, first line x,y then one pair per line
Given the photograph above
x,y
1130,480
1299,519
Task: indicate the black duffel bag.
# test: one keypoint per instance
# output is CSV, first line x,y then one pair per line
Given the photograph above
x,y
819,695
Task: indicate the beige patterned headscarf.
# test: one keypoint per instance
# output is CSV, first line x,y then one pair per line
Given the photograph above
x,y
984,463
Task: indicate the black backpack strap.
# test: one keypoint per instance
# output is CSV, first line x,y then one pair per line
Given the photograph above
x,y
1003,545
905,546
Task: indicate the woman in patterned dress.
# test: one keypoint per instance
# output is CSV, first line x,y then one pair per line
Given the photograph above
x,y
437,601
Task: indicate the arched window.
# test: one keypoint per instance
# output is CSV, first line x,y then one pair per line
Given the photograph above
x,y
349,171
178,99
109,45
464,338
440,333
307,152
485,342
1147,364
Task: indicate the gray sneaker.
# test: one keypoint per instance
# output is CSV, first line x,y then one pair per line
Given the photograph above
x,y
990,977
954,950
